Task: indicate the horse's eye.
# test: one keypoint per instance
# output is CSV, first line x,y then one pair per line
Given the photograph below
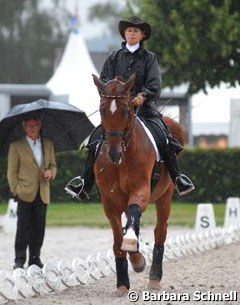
x,y
125,111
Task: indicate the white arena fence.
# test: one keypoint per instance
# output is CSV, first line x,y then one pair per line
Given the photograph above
x,y
35,281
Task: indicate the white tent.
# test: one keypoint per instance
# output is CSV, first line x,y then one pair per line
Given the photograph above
x,y
72,81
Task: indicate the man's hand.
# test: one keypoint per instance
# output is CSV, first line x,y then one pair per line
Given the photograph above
x,y
48,174
139,99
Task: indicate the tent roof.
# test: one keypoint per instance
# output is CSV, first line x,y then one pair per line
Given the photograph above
x,y
73,78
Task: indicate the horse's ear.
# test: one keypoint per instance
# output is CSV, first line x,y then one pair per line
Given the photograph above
x,y
100,85
130,82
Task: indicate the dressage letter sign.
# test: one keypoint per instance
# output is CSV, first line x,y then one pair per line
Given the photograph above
x,y
205,218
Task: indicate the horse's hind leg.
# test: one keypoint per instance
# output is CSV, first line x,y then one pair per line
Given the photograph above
x,y
163,206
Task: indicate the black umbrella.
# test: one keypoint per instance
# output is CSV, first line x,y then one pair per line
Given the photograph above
x,y
64,124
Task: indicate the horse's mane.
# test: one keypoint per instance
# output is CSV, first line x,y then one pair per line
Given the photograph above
x,y
176,129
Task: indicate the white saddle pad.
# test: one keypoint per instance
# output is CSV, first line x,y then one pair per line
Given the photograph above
x,y
158,157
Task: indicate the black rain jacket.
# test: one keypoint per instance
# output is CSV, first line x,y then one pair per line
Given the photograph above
x,y
148,77
148,81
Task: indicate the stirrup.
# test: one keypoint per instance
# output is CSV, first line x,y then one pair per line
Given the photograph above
x,y
188,189
75,187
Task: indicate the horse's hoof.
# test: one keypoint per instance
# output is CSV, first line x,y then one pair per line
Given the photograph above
x,y
122,291
138,262
153,285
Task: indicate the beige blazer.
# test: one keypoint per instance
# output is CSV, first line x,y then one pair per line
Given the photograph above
x,y
25,176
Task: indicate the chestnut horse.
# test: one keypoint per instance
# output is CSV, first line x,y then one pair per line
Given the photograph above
x,y
123,170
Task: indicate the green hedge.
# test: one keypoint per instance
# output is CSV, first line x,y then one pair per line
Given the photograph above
x,y
215,173
69,165
4,189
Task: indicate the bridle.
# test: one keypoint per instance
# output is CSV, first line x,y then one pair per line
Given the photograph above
x,y
127,133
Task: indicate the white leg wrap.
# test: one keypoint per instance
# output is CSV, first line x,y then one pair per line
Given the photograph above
x,y
130,241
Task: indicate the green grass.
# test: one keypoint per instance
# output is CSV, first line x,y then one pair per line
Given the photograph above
x,y
92,215
182,214
76,214
3,208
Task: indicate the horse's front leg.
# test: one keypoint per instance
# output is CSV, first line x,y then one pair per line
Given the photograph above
x,y
138,201
114,217
163,206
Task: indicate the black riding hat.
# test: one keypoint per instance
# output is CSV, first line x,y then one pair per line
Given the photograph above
x,y
135,22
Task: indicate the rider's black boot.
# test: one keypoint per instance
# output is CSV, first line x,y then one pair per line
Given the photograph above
x,y
182,183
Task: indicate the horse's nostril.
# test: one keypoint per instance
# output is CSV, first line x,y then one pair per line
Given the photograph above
x,y
114,156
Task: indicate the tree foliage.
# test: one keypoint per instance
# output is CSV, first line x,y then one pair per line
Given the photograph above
x,y
29,36
197,42
110,11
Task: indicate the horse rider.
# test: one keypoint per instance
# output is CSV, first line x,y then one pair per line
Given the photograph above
x,y
131,58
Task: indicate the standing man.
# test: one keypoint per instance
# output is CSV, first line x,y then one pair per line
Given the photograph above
x,y
31,167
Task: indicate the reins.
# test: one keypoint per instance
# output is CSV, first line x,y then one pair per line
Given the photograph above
x,y
114,96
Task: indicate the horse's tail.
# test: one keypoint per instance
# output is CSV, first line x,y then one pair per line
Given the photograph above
x,y
176,129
